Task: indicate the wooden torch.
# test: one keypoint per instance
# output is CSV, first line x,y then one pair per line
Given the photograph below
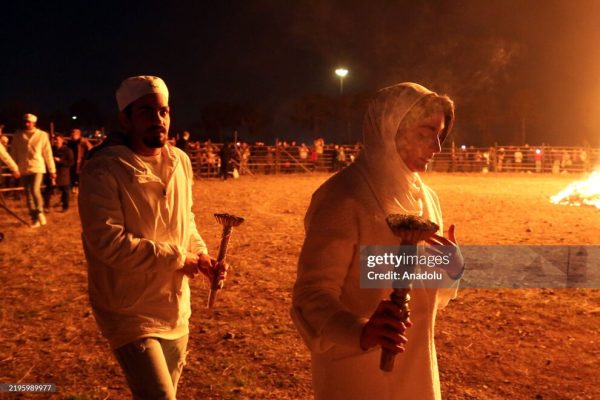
x,y
410,230
228,222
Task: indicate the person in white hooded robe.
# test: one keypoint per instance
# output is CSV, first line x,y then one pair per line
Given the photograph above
x,y
344,325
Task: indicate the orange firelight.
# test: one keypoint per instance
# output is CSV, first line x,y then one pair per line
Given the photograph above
x,y
580,193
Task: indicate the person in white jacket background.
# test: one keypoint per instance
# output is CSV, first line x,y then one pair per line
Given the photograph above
x,y
345,326
7,159
32,151
141,242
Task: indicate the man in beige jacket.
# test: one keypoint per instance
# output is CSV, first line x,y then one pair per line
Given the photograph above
x,y
344,325
32,152
141,242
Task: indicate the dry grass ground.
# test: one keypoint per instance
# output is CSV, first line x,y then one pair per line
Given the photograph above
x,y
492,344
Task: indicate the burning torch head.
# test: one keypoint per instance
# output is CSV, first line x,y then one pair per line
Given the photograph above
x,y
228,220
410,228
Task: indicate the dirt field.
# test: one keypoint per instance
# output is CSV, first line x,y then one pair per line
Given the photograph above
x,y
492,344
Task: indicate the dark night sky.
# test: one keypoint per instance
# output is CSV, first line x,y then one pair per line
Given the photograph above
x,y
271,52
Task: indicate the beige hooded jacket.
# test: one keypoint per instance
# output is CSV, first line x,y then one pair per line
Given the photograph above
x,y
136,231
32,152
329,307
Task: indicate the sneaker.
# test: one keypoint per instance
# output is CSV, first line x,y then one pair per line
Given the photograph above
x,y
42,219
36,224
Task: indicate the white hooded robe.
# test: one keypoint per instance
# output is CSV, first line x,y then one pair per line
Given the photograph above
x,y
329,307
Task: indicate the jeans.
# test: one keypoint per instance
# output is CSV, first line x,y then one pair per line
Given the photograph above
x,y
153,366
32,184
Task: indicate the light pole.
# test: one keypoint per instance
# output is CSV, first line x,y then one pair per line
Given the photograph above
x,y
341,72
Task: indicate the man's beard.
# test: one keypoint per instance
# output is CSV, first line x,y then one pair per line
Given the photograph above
x,y
155,142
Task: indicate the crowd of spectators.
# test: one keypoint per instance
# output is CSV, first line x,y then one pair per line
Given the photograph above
x,y
282,158
517,159
232,159
42,164
292,157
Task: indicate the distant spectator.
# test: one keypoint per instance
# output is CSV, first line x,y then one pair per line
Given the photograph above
x,y
500,160
479,164
493,159
566,161
319,146
64,159
80,147
32,152
339,158
303,154
291,157
486,162
183,142
313,156
518,159
470,158
538,160
508,159
211,158
225,155
244,158
270,161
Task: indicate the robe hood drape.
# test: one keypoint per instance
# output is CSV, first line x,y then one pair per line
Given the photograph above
x,y
397,189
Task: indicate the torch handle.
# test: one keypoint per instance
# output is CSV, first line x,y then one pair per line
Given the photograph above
x,y
216,283
386,362
401,297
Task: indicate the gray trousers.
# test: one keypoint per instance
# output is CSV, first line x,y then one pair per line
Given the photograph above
x,y
153,366
33,184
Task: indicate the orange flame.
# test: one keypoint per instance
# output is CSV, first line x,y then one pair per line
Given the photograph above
x,y
579,193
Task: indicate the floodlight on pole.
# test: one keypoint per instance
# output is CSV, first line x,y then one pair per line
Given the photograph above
x,y
341,72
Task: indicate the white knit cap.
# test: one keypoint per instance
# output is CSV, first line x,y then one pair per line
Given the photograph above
x,y
29,117
135,87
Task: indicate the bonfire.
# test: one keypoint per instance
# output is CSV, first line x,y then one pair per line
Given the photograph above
x,y
586,192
